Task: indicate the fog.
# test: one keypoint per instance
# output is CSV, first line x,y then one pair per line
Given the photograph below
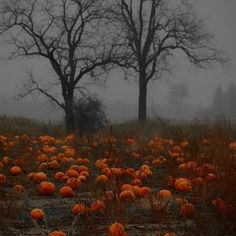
x,y
121,96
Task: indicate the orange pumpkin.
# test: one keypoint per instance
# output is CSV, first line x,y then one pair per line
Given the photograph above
x,y
164,194
72,173
57,233
117,229
5,160
187,210
15,170
102,179
109,195
82,178
127,195
33,177
19,189
143,191
46,188
85,173
170,234
37,214
54,165
3,179
58,176
126,187
66,191
42,158
137,182
97,206
83,168
74,183
42,176
79,209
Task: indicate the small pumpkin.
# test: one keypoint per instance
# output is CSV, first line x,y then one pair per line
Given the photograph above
x,y
19,189
187,210
15,170
79,209
66,191
164,194
127,195
74,183
3,179
117,229
97,206
57,233
37,214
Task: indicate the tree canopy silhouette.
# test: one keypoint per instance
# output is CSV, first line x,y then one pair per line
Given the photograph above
x,y
153,30
69,34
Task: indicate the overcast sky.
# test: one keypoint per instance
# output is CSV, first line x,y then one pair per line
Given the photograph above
x,y
220,18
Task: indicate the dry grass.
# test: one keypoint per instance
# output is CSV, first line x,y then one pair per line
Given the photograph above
x,y
158,144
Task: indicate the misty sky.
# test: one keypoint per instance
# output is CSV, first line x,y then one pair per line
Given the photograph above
x,y
220,18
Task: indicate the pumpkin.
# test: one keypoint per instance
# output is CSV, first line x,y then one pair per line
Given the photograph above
x,y
79,209
82,178
117,229
183,184
116,171
187,210
126,187
143,191
109,195
102,179
85,173
43,166
74,183
57,233
83,168
66,191
42,158
18,189
33,177
72,173
42,176
15,170
127,195
137,182
37,214
46,188
97,206
3,179
170,234
164,194
58,176
54,165
5,160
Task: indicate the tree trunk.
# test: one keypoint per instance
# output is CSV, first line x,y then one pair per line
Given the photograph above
x,y
69,115
142,111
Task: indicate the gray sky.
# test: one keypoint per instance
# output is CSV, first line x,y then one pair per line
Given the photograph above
x,y
220,18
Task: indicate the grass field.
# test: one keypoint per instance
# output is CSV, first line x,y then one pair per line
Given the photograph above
x,y
156,178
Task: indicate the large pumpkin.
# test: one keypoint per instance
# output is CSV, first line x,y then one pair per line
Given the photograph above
x,y
46,188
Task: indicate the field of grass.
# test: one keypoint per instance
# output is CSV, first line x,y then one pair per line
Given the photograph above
x,y
161,178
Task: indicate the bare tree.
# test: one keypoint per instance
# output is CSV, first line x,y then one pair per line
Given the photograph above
x,y
153,31
69,34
